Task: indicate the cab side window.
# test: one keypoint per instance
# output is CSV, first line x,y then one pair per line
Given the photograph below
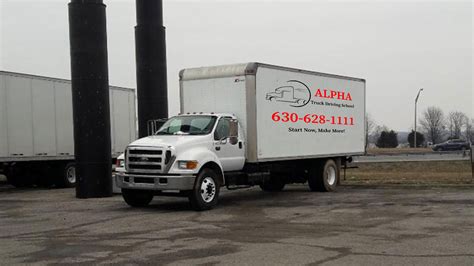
x,y
222,130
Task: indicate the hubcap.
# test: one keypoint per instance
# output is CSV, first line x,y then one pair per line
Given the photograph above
x,y
331,175
71,174
208,189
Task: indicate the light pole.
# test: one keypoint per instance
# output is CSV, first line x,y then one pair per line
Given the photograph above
x,y
416,101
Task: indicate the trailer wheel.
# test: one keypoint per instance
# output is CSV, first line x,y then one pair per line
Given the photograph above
x,y
324,177
205,194
275,184
137,198
67,175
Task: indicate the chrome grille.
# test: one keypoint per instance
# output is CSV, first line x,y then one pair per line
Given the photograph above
x,y
145,159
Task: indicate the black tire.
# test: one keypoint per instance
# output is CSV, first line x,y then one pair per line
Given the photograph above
x,y
275,184
137,198
324,177
205,194
66,177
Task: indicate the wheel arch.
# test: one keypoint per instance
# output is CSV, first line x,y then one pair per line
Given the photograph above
x,y
216,168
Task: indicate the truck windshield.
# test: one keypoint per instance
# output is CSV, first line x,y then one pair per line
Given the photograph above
x,y
188,125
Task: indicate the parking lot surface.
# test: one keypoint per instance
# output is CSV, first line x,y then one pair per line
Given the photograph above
x,y
356,225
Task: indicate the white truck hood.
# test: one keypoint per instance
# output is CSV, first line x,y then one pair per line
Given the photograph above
x,y
176,141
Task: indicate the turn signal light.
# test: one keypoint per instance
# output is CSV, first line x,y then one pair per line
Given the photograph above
x,y
187,164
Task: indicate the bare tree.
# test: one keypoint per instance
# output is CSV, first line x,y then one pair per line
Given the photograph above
x,y
432,122
456,121
369,128
469,131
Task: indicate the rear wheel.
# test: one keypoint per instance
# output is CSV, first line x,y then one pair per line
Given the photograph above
x,y
205,194
137,198
67,175
324,177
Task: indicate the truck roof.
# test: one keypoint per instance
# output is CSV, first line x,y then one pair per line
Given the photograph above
x,y
244,69
38,77
207,114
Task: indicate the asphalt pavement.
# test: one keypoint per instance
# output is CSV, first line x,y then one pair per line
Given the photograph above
x,y
356,225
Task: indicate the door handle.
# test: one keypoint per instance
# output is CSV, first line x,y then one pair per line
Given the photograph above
x,y
240,144
218,148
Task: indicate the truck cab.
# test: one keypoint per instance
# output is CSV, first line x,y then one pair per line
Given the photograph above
x,y
170,160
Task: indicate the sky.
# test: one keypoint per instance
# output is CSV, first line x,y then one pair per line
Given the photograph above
x,y
397,46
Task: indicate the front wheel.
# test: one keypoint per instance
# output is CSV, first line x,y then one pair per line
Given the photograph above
x,y
137,198
205,194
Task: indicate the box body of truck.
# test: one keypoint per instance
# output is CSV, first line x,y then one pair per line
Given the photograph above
x,y
286,113
36,122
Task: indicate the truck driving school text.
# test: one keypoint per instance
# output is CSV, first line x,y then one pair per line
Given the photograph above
x,y
299,96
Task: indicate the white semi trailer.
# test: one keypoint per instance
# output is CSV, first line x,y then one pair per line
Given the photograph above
x,y
36,128
248,124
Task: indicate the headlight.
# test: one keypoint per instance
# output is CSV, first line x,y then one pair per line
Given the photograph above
x,y
187,164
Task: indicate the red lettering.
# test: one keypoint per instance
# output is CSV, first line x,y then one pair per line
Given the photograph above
x,y
340,95
348,98
330,94
318,93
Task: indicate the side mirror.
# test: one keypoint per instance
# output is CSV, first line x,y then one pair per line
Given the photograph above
x,y
223,140
233,131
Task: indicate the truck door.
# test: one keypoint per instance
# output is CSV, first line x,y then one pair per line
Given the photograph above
x,y
231,155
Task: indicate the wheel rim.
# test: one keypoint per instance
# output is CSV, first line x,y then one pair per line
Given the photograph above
x,y
208,189
71,175
331,175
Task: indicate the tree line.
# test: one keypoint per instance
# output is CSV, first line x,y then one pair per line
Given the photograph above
x,y
435,127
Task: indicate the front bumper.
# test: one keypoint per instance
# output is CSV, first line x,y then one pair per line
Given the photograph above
x,y
154,182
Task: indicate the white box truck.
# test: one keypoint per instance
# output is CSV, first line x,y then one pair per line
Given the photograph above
x,y
248,124
36,128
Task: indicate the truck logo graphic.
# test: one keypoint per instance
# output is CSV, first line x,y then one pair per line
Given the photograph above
x,y
295,92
